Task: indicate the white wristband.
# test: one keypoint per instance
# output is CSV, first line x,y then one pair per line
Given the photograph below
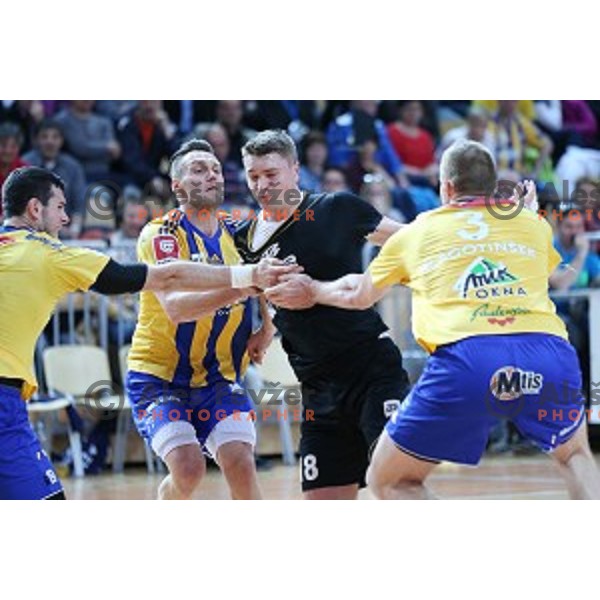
x,y
242,276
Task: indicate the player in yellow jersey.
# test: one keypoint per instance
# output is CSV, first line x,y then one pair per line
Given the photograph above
x,y
481,308
36,270
189,350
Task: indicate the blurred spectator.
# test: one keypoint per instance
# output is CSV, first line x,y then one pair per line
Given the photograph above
x,y
230,114
348,133
334,180
519,145
376,192
147,137
90,138
580,134
11,140
236,190
297,117
586,198
580,268
414,145
578,163
451,111
549,115
476,129
579,122
186,113
48,153
525,108
24,113
313,160
115,109
365,163
134,216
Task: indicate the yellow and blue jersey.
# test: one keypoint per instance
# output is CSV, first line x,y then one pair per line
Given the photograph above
x,y
472,273
203,352
36,271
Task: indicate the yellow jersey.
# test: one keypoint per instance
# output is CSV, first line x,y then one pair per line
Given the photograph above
x,y
36,271
472,273
203,352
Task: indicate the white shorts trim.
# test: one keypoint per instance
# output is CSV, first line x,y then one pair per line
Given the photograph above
x,y
173,435
238,429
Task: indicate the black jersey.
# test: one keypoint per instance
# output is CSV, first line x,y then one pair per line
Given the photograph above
x,y
326,237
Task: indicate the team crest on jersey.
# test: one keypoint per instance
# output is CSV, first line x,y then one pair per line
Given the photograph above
x,y
166,248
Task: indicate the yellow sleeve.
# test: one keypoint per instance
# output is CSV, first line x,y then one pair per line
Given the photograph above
x,y
389,266
156,248
75,269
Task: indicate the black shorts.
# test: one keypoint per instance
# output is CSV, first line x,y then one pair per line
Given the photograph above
x,y
350,404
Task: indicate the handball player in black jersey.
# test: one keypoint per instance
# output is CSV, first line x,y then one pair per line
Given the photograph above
x,y
350,370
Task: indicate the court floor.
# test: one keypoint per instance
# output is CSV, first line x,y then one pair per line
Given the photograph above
x,y
496,478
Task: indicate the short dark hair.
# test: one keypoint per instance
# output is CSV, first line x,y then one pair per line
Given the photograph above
x,y
11,130
271,141
470,167
26,183
193,145
45,124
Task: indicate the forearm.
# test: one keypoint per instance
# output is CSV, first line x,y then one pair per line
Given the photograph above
x,y
183,307
265,315
187,277
342,293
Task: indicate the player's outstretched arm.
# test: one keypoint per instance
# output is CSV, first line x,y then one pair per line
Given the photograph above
x,y
297,292
182,276
188,276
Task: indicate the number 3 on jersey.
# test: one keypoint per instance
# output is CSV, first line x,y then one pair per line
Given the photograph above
x,y
309,467
475,219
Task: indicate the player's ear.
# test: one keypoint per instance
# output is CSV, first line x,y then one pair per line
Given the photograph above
x,y
34,208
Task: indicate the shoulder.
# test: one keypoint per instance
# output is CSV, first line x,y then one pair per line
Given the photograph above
x,y
335,199
169,225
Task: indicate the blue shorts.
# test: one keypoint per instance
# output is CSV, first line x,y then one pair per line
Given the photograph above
x,y
531,379
157,402
25,470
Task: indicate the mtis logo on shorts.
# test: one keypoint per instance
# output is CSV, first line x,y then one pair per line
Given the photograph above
x,y
509,383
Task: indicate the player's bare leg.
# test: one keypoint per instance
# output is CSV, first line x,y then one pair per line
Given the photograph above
x,y
336,492
236,460
186,468
396,475
576,464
